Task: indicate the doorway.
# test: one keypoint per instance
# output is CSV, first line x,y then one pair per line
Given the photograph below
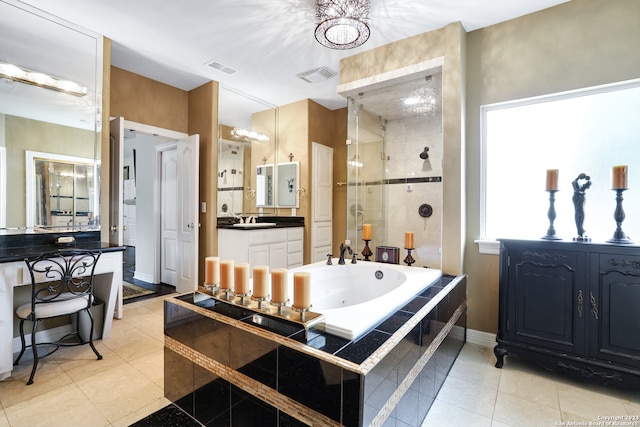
x,y
148,184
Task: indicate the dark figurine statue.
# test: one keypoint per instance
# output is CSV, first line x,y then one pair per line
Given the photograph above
x,y
579,190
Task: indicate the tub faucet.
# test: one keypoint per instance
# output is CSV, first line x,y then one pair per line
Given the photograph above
x,y
344,247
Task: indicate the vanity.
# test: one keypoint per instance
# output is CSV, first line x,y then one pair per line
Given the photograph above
x,y
276,241
15,275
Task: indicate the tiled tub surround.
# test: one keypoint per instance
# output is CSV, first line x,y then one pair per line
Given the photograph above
x,y
226,366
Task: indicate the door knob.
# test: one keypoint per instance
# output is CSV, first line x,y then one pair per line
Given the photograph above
x,y
114,228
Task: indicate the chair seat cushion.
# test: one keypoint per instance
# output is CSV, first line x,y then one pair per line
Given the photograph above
x,y
66,303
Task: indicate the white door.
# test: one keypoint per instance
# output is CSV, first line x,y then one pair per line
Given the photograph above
x,y
168,216
116,157
322,201
187,196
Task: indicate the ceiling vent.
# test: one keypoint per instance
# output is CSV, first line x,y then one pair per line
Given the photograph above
x,y
221,67
317,75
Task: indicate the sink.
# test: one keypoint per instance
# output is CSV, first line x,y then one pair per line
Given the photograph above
x,y
256,225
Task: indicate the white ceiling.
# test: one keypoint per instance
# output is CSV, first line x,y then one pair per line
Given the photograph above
x,y
267,41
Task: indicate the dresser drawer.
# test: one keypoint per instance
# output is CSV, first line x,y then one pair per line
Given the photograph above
x,y
295,246
295,233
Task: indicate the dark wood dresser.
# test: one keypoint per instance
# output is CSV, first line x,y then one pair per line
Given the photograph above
x,y
571,306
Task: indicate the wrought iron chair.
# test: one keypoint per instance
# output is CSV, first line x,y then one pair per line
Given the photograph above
x,y
61,284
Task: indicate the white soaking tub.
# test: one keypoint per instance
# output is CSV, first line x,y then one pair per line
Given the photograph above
x,y
356,297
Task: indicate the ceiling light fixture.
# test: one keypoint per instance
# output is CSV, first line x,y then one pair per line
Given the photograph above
x,y
22,75
342,23
249,135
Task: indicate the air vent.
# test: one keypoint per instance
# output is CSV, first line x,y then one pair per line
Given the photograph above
x,y
221,67
317,75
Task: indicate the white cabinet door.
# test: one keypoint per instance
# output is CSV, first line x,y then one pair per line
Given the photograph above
x,y
258,255
278,255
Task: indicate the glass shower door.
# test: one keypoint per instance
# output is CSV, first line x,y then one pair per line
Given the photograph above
x,y
366,178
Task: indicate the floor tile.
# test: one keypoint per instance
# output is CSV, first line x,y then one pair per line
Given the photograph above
x,y
518,411
446,414
472,397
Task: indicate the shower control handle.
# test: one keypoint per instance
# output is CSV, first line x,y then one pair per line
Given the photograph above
x,y
361,226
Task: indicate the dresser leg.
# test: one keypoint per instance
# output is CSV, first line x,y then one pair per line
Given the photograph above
x,y
500,352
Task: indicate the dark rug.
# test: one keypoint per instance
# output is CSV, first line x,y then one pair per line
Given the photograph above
x,y
129,290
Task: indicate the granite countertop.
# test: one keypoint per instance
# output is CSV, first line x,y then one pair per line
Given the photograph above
x,y
279,221
20,246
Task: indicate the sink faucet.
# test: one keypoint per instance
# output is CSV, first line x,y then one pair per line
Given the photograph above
x,y
344,247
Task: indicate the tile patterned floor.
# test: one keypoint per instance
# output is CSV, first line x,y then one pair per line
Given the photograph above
x,y
127,385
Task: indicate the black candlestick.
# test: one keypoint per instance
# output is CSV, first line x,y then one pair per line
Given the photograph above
x,y
551,214
366,252
618,215
409,259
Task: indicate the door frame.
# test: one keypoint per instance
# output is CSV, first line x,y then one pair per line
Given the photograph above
x,y
175,136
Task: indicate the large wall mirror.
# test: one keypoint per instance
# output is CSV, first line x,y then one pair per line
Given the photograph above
x,y
50,103
246,155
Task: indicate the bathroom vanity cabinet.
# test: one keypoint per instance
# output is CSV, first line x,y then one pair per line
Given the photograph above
x,y
275,247
572,306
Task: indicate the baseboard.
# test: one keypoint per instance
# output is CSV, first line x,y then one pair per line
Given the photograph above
x,y
484,339
144,277
46,335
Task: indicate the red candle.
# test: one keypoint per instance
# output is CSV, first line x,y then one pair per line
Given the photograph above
x,y
552,179
619,178
408,240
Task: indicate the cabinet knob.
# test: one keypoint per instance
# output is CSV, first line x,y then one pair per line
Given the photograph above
x,y
580,303
594,306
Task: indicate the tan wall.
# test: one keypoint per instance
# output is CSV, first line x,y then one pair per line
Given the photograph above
x,y
105,165
577,44
203,120
339,175
147,101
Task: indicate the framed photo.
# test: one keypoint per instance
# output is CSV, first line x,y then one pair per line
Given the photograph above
x,y
388,254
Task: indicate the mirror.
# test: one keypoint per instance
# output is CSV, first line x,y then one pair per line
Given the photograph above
x,y
42,117
247,143
264,186
288,178
63,190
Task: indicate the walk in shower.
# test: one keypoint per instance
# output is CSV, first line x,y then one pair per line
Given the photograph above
x,y
394,166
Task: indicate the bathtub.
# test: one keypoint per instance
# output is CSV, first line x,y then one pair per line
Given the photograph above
x,y
356,297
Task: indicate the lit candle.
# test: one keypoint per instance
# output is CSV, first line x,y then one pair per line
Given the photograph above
x,y
241,278
366,232
260,281
279,285
302,289
226,274
552,179
408,240
212,270
619,175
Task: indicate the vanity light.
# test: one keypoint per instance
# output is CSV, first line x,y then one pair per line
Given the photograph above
x,y
249,134
23,75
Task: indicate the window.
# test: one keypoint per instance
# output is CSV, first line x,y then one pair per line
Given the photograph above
x,y
587,131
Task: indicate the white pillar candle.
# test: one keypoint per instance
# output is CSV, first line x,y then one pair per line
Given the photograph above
x,y
212,270
302,289
279,284
226,274
260,281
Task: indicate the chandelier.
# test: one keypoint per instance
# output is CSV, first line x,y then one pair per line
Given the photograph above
x,y
342,23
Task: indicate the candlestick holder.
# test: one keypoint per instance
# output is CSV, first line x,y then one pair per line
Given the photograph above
x,y
618,215
213,287
551,214
227,294
243,297
302,311
409,259
280,306
260,300
366,252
